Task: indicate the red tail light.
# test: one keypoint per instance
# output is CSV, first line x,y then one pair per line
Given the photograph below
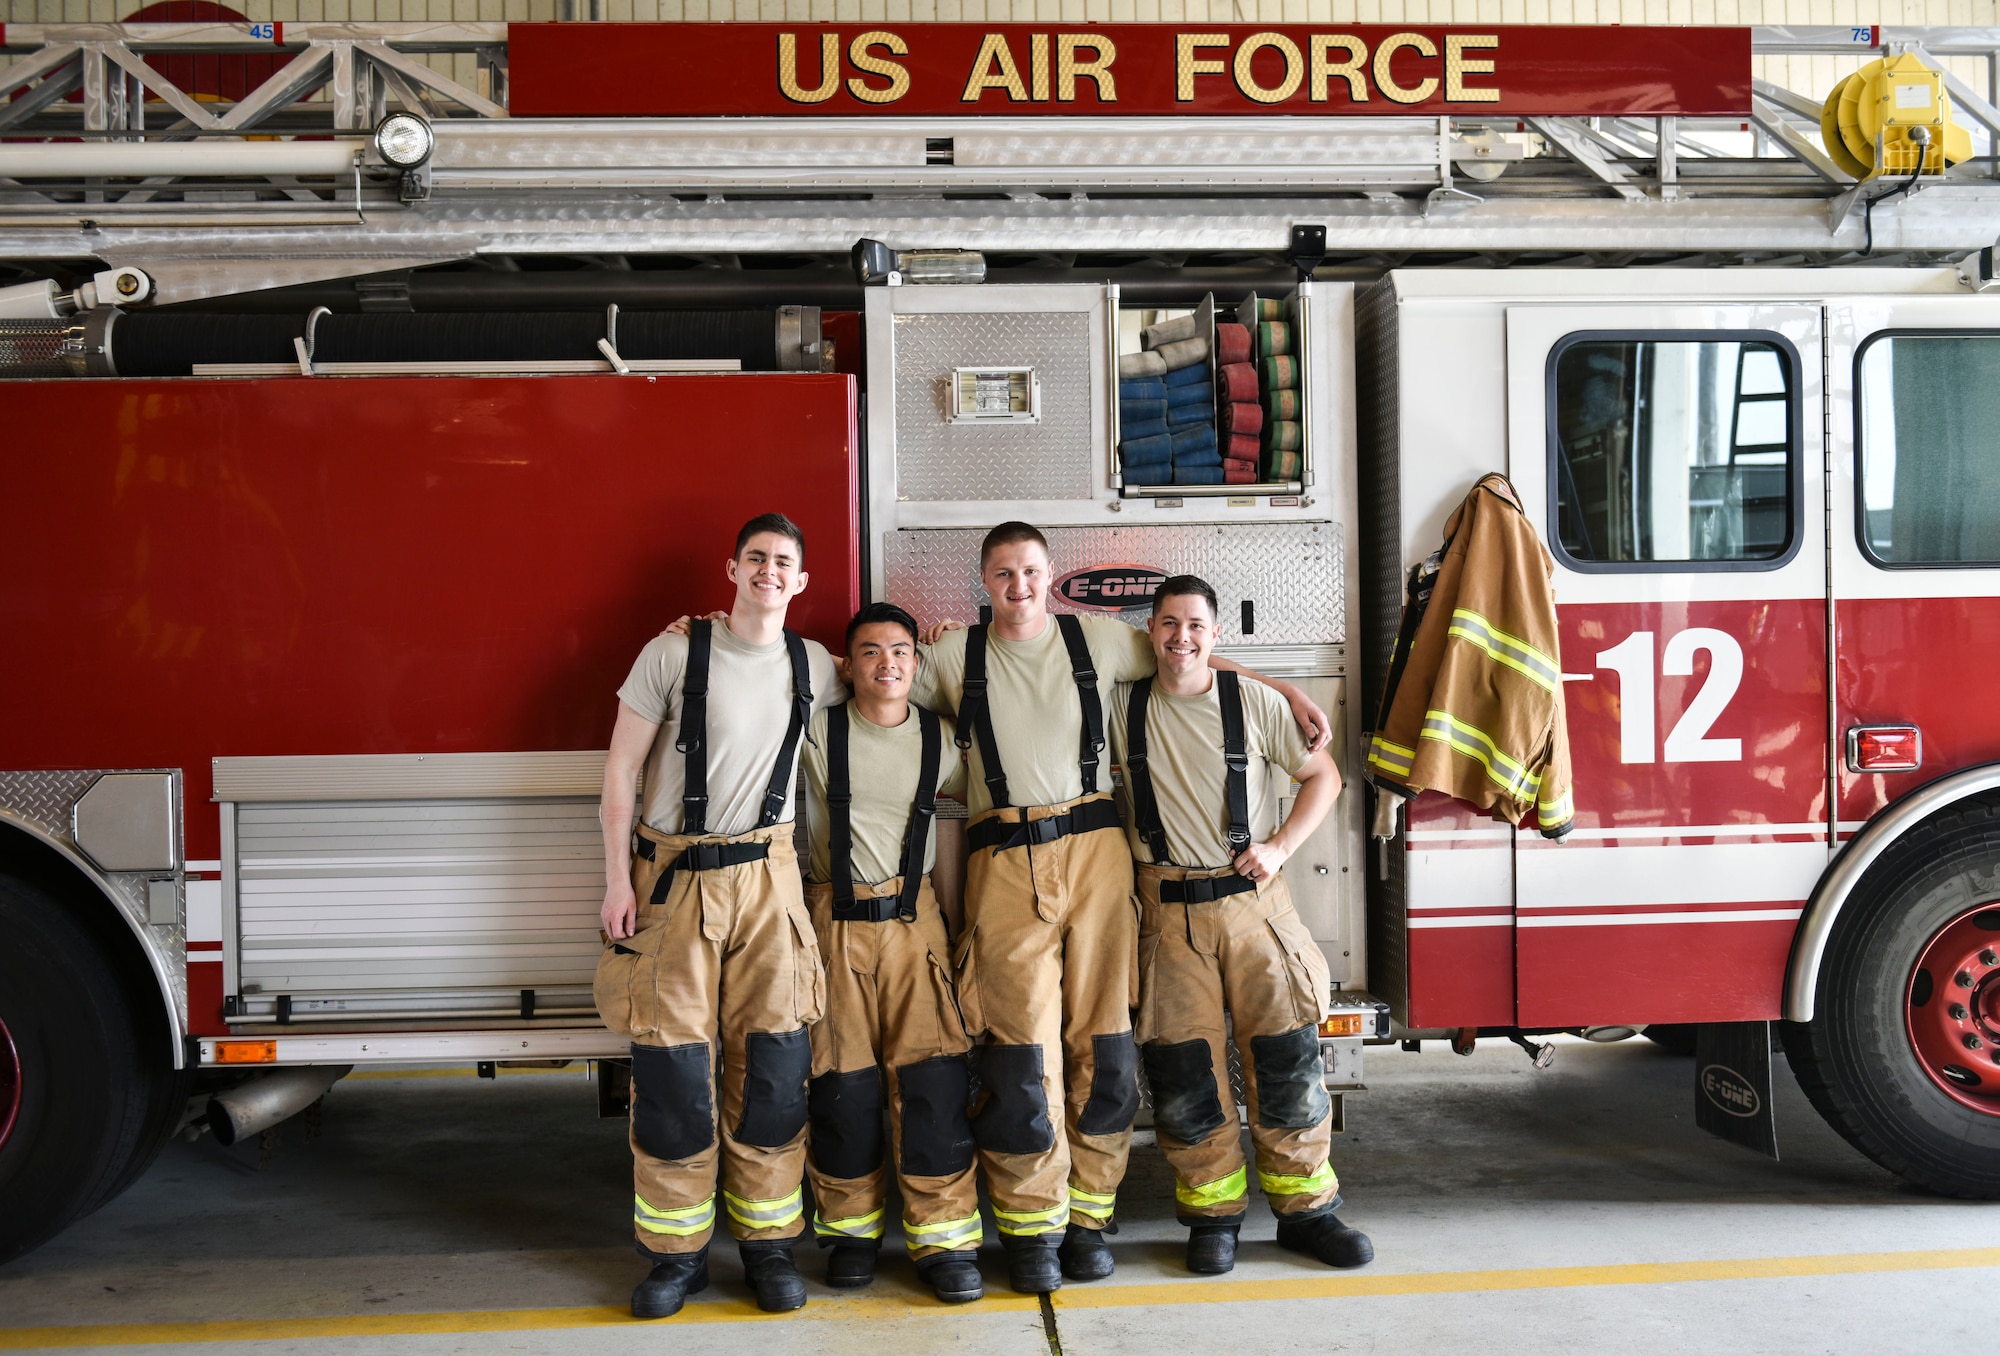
x,y
1884,748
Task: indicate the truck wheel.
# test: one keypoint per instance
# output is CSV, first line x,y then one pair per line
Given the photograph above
x,y
77,1093
1903,1057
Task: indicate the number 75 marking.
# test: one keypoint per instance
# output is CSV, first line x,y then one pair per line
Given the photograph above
x,y
1688,742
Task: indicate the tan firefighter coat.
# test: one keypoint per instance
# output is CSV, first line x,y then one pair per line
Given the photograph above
x,y
1473,706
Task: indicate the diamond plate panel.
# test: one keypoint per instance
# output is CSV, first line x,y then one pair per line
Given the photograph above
x,y
940,461
1292,571
42,800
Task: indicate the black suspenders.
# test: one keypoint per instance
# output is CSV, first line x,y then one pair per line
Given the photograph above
x,y
1235,759
840,803
693,740
973,711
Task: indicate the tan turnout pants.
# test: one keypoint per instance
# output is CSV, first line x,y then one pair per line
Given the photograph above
x,y
1249,954
1047,970
891,1036
726,965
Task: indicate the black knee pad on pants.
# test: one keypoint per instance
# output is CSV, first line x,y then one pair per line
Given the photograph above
x,y
937,1137
1291,1085
673,1113
1114,1086
846,1112
775,1067
1015,1119
1182,1076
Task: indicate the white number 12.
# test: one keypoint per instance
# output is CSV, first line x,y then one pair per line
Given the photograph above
x,y
1688,742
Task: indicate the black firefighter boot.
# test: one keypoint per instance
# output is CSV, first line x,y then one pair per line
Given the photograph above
x,y
1032,1265
850,1263
673,1278
768,1264
1211,1247
1325,1237
1085,1255
952,1276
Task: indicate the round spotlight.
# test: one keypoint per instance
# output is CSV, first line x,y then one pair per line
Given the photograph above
x,y
404,140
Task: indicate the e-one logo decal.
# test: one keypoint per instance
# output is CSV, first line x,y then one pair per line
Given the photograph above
x,y
1110,588
1730,1091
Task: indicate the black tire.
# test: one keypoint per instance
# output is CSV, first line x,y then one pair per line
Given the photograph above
x,y
1855,1059
90,1112
1676,1038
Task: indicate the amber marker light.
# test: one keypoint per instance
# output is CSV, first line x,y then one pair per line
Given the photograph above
x,y
246,1052
1342,1024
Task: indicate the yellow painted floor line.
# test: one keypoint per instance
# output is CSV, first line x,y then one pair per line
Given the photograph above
x,y
1348,1286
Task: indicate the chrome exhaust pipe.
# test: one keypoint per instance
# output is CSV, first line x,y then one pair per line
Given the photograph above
x,y
258,1105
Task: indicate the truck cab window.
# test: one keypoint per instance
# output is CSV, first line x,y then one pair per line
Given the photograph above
x,y
1667,450
1929,426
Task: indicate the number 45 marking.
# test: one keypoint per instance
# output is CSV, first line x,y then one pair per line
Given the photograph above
x,y
1688,742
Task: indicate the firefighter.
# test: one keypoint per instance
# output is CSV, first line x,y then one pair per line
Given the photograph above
x,y
711,953
892,1033
1046,967
1217,933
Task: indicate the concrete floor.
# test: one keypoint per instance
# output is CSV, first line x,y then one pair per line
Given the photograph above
x,y
1514,1211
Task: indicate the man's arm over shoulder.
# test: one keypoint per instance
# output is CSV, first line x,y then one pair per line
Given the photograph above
x,y
940,681
828,689
1123,653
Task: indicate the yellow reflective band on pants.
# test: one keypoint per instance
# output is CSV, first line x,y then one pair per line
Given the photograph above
x,y
951,1234
861,1226
774,1214
1049,1221
1221,1191
1096,1209
691,1219
1322,1180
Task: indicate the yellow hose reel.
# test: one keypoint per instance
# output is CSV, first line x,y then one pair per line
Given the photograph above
x,y
1867,120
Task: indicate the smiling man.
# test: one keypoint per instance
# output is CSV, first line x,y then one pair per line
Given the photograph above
x,y
891,1036
1046,964
709,943
1217,932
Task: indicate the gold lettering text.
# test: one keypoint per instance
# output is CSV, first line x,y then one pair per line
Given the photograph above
x,y
1323,70
1187,66
829,69
1294,68
1038,66
994,68
864,60
1457,67
1384,81
1069,70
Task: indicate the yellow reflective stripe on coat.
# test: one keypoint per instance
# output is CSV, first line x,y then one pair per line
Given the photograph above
x,y
1322,1180
1477,745
682,1223
949,1234
1502,648
1221,1191
1013,1222
773,1214
859,1226
1391,758
1555,813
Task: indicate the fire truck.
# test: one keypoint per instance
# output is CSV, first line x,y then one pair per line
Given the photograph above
x,y
362,426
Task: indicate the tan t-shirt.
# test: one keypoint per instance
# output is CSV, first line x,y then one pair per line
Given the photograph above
x,y
1037,719
1184,755
882,766
749,709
